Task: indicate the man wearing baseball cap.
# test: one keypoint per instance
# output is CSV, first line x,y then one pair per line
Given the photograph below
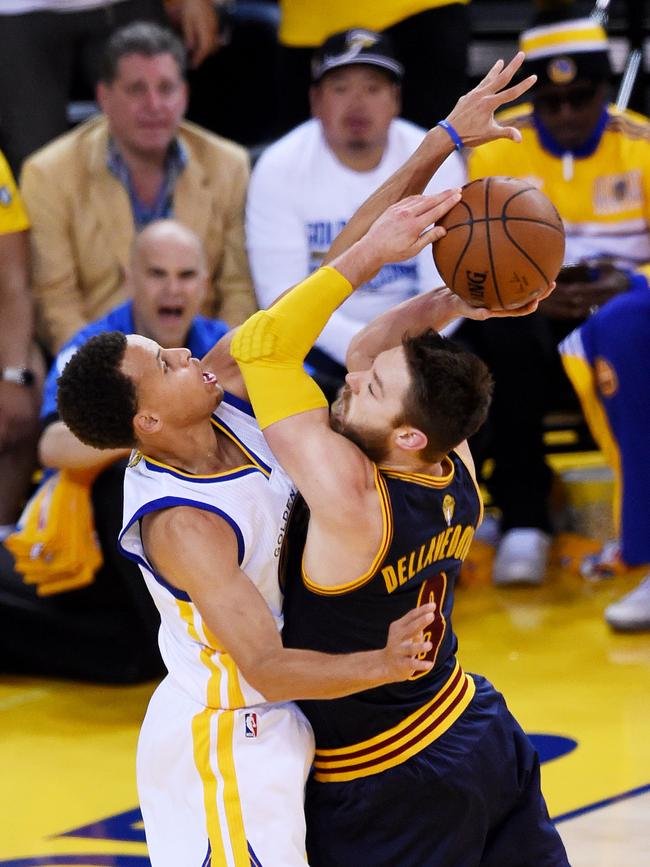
x,y
593,161
307,185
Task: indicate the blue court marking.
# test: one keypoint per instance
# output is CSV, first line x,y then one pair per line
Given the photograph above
x,y
552,747
606,802
118,827
81,860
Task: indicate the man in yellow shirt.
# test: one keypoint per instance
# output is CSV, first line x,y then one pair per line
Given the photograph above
x,y
21,368
593,161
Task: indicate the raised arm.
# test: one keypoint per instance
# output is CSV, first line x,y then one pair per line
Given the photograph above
x,y
472,118
185,543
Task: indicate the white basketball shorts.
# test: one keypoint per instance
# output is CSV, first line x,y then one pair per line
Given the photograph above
x,y
223,788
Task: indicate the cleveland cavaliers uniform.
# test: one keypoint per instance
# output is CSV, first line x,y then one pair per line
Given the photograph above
x,y
221,773
418,772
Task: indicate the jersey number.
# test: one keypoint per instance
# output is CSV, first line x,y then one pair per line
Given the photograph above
x,y
433,590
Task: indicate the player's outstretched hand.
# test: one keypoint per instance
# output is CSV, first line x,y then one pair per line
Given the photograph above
x,y
408,644
408,226
473,115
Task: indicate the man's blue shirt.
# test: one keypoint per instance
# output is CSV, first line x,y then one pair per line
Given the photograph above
x,y
201,337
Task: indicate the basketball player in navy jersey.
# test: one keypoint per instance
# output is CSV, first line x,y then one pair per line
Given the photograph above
x,y
170,399
433,771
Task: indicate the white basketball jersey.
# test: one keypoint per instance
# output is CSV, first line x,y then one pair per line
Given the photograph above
x,y
255,499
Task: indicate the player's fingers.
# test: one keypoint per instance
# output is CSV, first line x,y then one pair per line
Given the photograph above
x,y
418,648
513,92
414,621
430,236
509,70
421,665
491,75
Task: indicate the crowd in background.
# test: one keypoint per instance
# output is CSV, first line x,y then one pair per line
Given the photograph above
x,y
145,218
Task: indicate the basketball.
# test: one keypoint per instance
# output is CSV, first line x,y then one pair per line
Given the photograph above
x,y
504,244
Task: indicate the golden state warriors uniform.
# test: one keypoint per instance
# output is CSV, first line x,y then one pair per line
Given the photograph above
x,y
602,192
608,361
418,772
221,773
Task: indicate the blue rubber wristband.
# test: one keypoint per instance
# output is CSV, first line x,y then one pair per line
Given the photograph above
x,y
448,128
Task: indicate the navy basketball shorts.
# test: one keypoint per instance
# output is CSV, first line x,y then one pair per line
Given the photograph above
x,y
472,797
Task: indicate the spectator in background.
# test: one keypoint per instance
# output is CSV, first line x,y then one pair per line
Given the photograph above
x,y
593,162
108,631
21,365
49,48
608,362
88,192
307,185
430,36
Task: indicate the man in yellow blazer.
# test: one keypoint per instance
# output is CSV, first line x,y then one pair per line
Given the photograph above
x,y
88,192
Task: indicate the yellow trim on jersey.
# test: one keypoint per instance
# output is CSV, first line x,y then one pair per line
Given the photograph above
x,y
386,539
222,473
202,727
580,374
406,739
225,664
423,478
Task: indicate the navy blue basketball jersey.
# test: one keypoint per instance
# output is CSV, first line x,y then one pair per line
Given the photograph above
x,y
429,523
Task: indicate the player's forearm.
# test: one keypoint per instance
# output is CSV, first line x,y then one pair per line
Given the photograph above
x,y
434,309
306,674
409,180
59,449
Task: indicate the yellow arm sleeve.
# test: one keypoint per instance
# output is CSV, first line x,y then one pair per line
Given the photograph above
x,y
271,346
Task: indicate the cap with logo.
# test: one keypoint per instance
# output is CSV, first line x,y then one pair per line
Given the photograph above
x,y
561,51
352,47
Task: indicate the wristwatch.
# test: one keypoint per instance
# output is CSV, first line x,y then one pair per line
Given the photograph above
x,y
20,375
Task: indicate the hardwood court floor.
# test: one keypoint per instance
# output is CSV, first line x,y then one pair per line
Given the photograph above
x,y
68,794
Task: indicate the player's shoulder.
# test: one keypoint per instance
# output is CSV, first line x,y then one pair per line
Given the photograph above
x,y
631,124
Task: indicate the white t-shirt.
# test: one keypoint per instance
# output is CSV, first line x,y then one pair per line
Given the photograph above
x,y
20,7
299,199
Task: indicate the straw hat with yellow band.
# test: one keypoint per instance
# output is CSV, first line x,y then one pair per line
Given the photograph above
x,y
559,52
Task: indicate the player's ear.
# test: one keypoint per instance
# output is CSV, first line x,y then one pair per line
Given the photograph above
x,y
410,438
146,423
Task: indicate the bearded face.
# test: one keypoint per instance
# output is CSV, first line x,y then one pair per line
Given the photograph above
x,y
374,442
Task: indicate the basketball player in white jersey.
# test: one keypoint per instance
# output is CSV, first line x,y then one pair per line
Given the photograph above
x,y
223,757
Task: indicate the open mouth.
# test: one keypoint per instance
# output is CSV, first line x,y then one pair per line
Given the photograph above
x,y
170,313
209,377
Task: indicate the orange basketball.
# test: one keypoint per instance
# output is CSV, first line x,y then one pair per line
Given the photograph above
x,y
504,244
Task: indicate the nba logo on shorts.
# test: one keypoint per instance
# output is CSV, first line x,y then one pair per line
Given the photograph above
x,y
250,725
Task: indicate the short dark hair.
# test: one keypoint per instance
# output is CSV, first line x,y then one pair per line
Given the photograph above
x,y
450,393
95,399
141,37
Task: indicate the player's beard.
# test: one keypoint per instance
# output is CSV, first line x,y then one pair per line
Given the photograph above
x,y
373,443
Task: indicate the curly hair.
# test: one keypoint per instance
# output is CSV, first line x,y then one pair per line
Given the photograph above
x,y
450,394
95,399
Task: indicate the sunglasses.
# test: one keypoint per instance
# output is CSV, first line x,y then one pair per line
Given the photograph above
x,y
577,98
